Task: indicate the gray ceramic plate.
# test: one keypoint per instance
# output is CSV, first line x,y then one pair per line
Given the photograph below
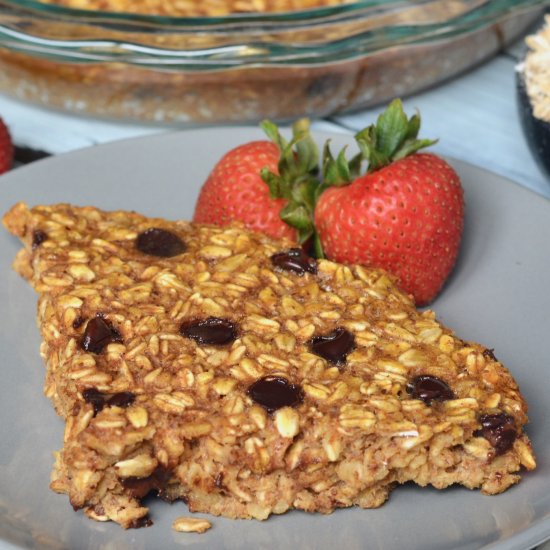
x,y
498,295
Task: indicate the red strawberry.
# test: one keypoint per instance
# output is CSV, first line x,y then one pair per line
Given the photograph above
x,y
6,148
235,190
259,184
405,214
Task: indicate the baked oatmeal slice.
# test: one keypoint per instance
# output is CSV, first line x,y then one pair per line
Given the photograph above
x,y
229,370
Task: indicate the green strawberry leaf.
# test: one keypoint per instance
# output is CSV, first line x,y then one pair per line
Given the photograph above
x,y
391,129
413,127
307,152
393,137
330,171
317,247
355,166
296,180
368,149
408,148
366,140
273,182
304,192
299,217
336,171
272,132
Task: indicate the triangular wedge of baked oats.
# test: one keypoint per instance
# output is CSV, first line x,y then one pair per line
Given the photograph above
x,y
229,370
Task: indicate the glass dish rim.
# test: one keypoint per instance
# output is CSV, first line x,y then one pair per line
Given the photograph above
x,y
306,16
246,51
298,16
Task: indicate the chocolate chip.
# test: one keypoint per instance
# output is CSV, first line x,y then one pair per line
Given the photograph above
x,y
99,400
144,521
140,487
334,346
38,237
499,429
95,398
429,388
274,392
122,399
210,332
159,242
294,259
99,333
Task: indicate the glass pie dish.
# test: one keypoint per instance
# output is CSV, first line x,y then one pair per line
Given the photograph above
x,y
242,67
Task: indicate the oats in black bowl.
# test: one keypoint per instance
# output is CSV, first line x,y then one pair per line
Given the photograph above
x,y
533,88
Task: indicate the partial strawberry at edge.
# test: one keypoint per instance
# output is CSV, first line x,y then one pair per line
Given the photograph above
x,y
406,218
6,148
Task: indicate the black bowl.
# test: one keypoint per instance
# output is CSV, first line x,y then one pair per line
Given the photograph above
x,y
537,131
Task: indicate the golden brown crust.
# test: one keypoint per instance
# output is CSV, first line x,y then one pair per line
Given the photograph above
x,y
191,429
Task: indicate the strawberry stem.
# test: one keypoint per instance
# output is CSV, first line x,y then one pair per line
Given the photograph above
x,y
296,181
393,137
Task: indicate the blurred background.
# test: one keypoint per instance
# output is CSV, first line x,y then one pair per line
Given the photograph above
x,y
75,73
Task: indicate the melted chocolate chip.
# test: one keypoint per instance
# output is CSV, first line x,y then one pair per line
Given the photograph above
x,y
95,398
274,392
429,388
159,242
98,334
38,237
144,521
334,346
140,487
294,259
99,400
499,429
122,399
210,332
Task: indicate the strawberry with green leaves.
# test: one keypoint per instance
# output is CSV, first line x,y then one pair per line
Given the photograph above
x,y
266,185
405,214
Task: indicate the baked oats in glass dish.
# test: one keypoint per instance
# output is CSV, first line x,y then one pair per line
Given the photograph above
x,y
243,60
